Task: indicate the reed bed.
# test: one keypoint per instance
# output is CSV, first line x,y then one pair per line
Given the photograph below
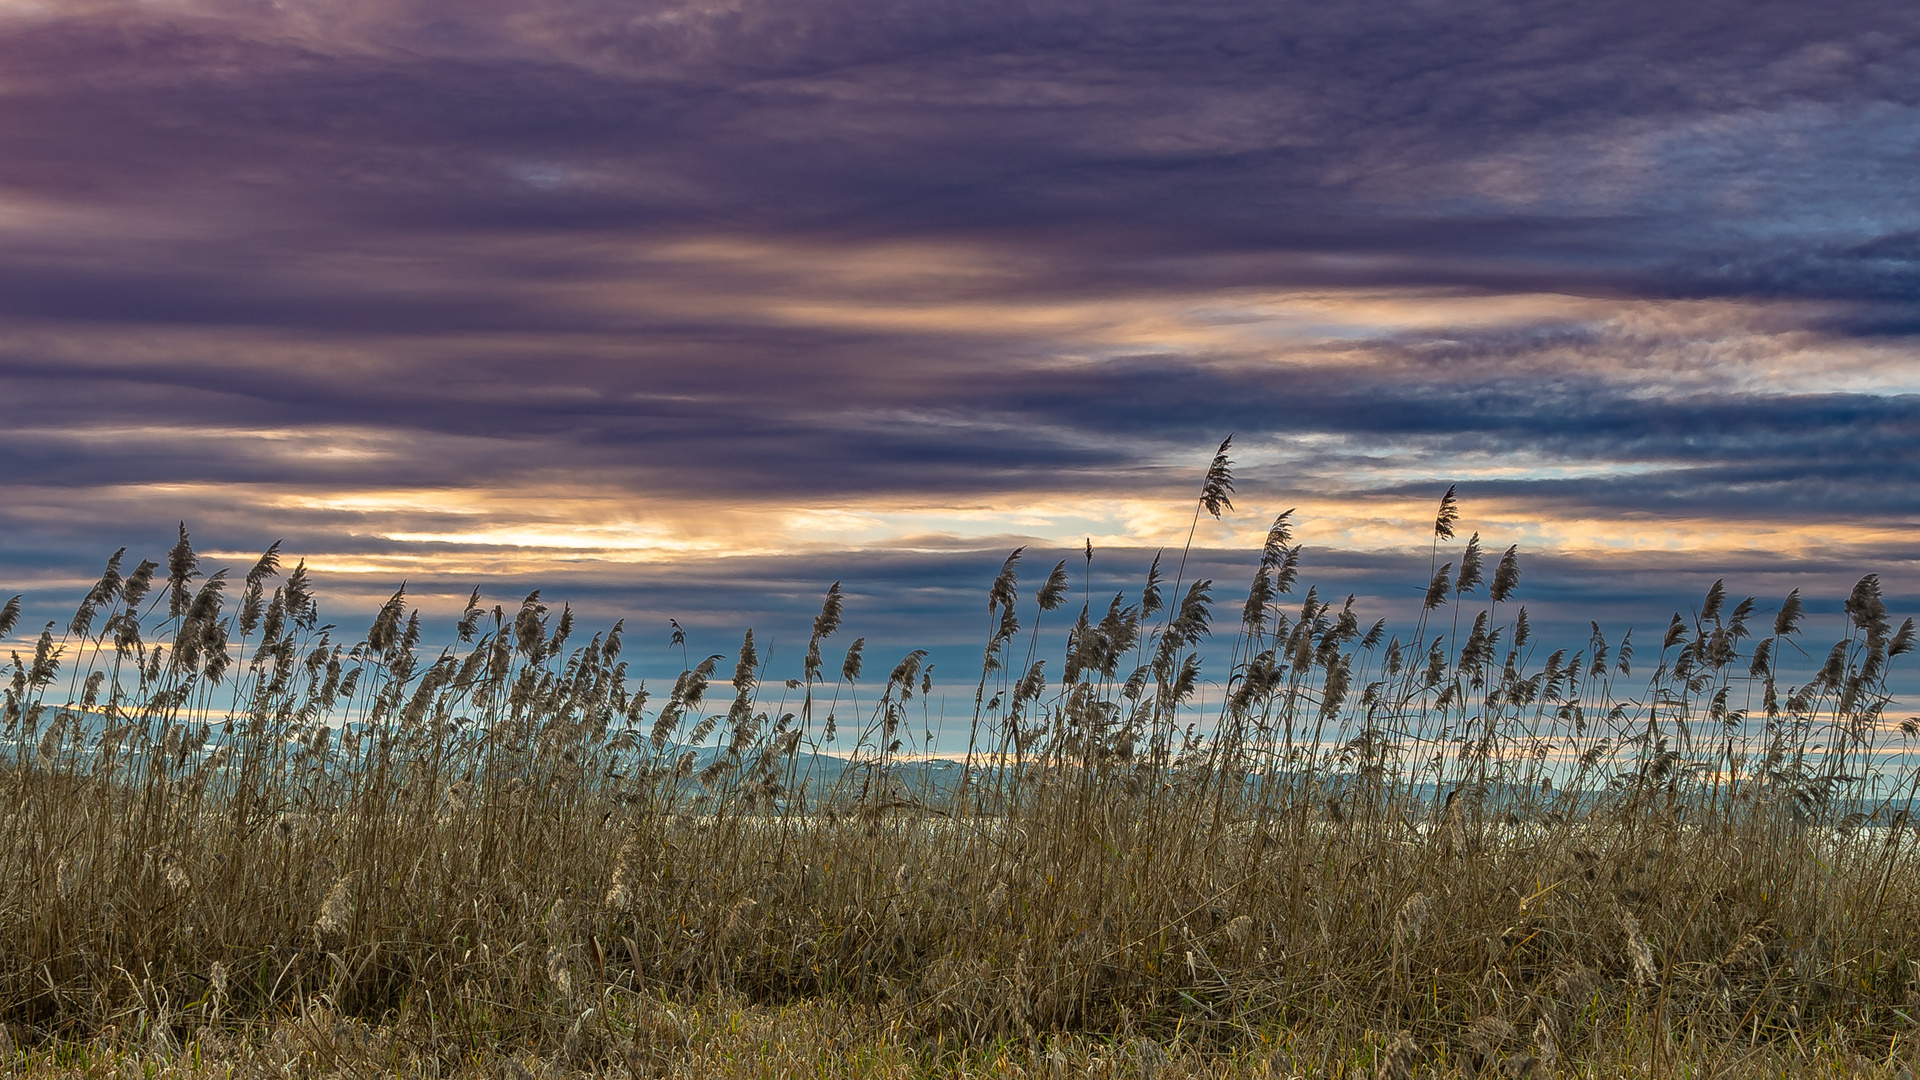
x,y
238,840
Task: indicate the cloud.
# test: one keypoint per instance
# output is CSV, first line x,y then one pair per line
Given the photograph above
x,y
727,300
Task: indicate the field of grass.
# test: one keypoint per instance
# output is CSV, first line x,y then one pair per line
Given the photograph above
x,y
241,842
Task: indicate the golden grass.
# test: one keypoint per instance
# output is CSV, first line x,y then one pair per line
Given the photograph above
x,y
727,1037
235,846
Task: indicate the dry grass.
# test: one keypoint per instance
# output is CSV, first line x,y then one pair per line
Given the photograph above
x,y
268,851
727,1037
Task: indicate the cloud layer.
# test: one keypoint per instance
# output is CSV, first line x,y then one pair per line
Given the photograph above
x,y
634,298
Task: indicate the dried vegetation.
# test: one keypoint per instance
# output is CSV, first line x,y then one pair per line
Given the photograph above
x,y
237,842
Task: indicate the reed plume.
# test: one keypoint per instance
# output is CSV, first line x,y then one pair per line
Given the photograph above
x,y
253,830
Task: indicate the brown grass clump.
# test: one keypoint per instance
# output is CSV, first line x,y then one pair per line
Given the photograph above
x,y
1398,1058
235,842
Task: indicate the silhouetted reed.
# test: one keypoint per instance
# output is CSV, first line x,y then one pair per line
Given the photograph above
x,y
219,815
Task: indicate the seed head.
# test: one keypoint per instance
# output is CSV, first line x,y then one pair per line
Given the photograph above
x,y
620,889
336,911
1410,922
1240,929
49,748
1545,1046
559,974
1575,985
1639,953
1396,1061
176,875
1491,1034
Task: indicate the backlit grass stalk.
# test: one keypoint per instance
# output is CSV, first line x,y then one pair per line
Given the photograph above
x,y
1495,853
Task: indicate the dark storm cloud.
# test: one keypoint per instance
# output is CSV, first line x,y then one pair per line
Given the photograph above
x,y
1315,127
257,259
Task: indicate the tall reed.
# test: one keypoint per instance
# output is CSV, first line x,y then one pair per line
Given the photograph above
x,y
218,810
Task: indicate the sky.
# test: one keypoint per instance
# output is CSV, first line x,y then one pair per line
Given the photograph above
x,y
686,310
